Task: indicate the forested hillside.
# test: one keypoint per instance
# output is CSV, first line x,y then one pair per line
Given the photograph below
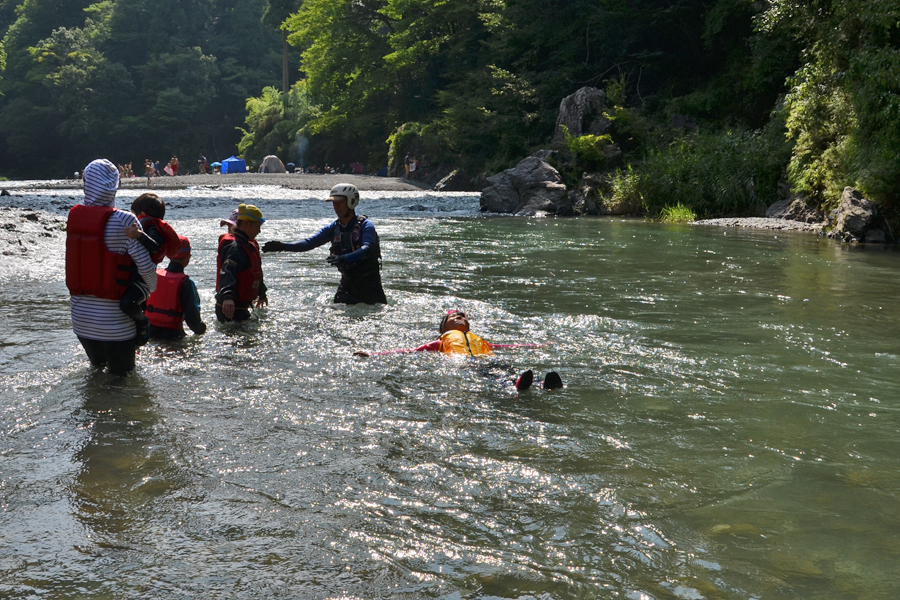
x,y
709,98
129,80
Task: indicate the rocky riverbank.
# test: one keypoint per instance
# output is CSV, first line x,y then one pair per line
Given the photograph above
x,y
21,228
766,223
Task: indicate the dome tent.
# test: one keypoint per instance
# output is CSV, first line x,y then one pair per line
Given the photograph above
x,y
272,164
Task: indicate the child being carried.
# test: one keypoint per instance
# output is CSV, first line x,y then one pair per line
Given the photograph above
x,y
161,241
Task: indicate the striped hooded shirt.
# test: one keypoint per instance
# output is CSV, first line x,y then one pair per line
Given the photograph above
x,y
98,318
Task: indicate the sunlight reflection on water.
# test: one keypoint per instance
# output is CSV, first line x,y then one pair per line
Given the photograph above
x,y
718,436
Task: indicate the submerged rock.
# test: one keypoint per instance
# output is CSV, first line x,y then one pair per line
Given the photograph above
x,y
20,228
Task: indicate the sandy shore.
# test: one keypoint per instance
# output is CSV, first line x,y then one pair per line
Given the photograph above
x,y
290,181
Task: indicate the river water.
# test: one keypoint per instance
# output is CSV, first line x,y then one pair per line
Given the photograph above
x,y
728,429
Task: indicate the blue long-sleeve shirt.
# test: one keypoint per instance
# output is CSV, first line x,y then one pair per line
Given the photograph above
x,y
327,233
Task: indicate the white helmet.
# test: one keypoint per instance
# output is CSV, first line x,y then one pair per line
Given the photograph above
x,y
349,191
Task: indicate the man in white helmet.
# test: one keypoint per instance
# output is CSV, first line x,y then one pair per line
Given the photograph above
x,y
355,249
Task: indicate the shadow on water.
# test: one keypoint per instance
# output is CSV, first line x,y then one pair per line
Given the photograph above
x,y
123,468
123,465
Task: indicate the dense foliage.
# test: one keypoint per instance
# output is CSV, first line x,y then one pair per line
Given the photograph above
x,y
708,98
128,80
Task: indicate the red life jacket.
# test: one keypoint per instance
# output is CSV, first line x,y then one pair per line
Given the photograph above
x,y
248,280
171,247
91,269
164,307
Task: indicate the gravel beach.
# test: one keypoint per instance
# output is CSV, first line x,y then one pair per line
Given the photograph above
x,y
286,180
765,223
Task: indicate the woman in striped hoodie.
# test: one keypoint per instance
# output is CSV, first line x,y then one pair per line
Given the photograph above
x,y
99,259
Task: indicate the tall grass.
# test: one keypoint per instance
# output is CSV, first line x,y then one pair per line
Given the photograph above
x,y
734,173
677,214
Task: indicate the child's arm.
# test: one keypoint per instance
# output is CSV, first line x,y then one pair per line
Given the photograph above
x,y
152,239
429,347
504,346
133,232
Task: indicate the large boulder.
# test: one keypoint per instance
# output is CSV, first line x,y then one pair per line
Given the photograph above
x,y
587,197
582,114
795,209
859,220
529,188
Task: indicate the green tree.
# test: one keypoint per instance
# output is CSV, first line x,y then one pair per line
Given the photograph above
x,y
276,128
843,109
274,15
129,79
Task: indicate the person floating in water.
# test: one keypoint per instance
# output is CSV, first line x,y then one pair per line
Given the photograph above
x,y
355,249
456,338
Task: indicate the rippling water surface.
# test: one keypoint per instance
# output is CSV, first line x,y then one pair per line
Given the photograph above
x,y
729,426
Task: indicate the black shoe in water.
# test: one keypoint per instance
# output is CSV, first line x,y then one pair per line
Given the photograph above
x,y
552,381
524,380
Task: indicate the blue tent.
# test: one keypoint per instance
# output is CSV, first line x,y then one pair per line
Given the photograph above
x,y
234,165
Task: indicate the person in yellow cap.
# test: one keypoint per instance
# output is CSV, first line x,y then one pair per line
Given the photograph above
x,y
239,280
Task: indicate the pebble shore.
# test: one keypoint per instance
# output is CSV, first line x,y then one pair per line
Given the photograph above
x,y
765,223
292,181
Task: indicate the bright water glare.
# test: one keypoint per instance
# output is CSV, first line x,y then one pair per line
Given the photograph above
x,y
728,429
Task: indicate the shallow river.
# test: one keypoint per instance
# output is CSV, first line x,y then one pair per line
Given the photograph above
x,y
729,426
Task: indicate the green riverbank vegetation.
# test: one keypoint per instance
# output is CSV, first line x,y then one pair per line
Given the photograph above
x,y
721,106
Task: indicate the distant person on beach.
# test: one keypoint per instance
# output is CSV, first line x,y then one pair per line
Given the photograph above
x,y
99,258
355,249
174,166
175,300
239,281
457,339
202,162
406,165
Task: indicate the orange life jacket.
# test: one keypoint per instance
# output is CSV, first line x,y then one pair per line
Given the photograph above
x,y
91,269
248,280
459,342
164,307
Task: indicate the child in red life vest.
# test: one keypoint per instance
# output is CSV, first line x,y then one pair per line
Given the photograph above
x,y
160,240
175,300
457,339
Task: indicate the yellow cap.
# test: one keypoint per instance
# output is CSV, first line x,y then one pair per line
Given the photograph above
x,y
248,212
